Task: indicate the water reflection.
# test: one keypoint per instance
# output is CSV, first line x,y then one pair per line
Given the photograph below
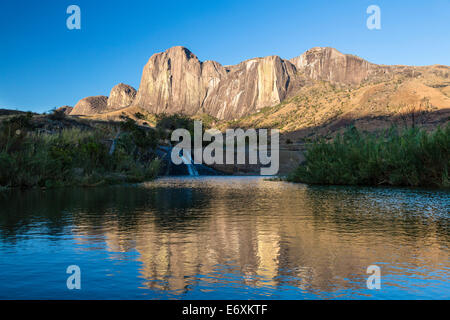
x,y
234,237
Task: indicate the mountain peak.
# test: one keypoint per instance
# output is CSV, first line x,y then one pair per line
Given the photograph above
x,y
329,64
176,81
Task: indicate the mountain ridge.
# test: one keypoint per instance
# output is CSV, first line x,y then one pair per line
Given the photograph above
x,y
176,81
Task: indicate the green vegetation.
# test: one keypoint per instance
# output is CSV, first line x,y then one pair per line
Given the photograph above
x,y
57,115
208,121
411,157
32,157
165,124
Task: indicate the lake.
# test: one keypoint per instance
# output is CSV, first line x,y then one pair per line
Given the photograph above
x,y
225,238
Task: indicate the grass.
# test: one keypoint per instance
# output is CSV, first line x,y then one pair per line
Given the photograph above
x,y
72,156
410,157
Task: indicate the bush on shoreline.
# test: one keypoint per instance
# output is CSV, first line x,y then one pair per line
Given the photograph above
x,y
411,157
73,156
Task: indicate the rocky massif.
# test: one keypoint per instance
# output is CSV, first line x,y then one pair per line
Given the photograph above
x,y
319,86
122,95
90,106
330,65
177,81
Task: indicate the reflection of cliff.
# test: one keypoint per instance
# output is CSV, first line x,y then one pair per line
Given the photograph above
x,y
245,231
270,235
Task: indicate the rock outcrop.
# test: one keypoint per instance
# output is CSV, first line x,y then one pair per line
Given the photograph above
x,y
176,81
90,106
330,65
122,95
250,86
66,109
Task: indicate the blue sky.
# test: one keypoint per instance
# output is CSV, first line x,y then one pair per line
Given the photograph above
x,y
44,65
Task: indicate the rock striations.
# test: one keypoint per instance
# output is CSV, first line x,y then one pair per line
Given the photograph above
x,y
90,106
176,81
330,65
121,96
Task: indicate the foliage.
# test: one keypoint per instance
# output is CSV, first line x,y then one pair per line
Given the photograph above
x,y
411,157
165,124
139,116
142,138
207,120
13,131
72,157
57,115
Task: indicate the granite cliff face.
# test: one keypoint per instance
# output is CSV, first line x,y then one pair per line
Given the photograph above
x,y
330,65
250,86
122,95
176,81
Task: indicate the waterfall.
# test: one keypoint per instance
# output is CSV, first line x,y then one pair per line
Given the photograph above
x,y
187,160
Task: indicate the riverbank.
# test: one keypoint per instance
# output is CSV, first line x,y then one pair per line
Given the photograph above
x,y
55,151
410,157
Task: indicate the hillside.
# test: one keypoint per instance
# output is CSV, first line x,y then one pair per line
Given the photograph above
x,y
319,91
422,93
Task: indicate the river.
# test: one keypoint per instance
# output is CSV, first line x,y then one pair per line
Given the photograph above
x,y
225,238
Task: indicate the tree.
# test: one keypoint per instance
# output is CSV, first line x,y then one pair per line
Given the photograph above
x,y
414,115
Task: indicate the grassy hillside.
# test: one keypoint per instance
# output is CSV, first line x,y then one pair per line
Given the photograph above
x,y
53,151
421,98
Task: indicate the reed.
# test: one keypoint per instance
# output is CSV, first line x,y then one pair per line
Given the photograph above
x,y
74,156
410,157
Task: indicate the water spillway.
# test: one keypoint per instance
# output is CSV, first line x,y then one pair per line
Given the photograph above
x,y
187,168
187,160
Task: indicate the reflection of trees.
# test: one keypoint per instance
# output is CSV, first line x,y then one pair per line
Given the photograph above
x,y
413,214
253,232
94,208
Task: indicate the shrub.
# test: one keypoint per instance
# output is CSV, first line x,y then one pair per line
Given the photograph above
x,y
57,115
73,156
13,132
139,116
411,157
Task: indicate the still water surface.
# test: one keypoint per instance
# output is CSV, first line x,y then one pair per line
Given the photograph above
x,y
225,238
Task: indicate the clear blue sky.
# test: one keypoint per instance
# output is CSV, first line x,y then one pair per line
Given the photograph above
x,y
44,65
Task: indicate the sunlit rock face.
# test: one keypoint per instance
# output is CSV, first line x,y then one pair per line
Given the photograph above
x,y
90,105
331,65
176,81
250,86
122,95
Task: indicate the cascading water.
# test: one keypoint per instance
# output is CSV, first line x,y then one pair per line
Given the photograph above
x,y
187,160
193,170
